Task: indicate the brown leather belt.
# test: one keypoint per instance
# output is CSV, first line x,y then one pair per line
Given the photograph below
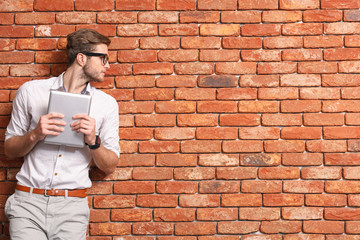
x,y
55,192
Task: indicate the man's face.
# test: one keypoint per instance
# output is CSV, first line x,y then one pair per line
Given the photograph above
x,y
96,66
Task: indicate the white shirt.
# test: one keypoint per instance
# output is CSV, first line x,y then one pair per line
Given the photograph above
x,y
60,167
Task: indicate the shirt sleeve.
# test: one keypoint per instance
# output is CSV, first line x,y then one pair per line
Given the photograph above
x,y
20,119
109,130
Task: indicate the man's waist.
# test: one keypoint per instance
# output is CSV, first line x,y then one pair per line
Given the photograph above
x,y
54,192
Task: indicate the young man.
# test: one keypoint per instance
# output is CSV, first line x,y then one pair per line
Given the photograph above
x,y
50,201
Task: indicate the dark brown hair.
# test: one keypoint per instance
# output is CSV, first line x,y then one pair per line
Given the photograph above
x,y
83,40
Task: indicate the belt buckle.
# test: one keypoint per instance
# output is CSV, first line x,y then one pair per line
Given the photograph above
x,y
45,193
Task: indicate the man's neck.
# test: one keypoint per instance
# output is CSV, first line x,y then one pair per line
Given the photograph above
x,y
73,81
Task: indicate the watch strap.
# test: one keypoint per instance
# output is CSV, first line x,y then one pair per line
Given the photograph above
x,y
96,145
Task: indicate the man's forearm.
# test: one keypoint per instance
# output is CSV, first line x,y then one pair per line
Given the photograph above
x,y
19,146
105,159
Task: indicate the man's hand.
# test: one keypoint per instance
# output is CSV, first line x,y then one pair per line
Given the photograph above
x,y
86,125
49,124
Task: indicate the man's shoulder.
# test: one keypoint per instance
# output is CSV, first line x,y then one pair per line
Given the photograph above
x,y
35,84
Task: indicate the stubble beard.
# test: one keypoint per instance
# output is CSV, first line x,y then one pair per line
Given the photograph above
x,y
91,75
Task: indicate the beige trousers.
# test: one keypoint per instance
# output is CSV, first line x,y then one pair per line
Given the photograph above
x,y
34,216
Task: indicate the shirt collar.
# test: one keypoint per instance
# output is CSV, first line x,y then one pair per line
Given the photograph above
x,y
59,85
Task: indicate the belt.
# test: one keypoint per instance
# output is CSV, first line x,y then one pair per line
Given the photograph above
x,y
54,192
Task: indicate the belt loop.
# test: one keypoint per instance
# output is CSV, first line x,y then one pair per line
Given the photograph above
x,y
66,193
31,191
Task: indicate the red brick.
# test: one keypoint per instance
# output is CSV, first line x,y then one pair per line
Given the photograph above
x,y
114,201
352,41
110,228
261,186
50,57
136,133
7,18
160,43
178,55
349,67
259,81
16,31
262,159
341,132
303,187
236,94
178,187
133,160
341,28
35,18
124,43
342,186
178,30
259,133
324,119
317,67
283,42
53,5
217,5
200,146
353,145
175,5
53,30
259,214
76,17
261,55
258,106
259,4
302,29
30,70
99,215
337,4
281,67
239,120
155,120
7,44
341,54
216,214
326,200
235,68
271,227
128,146
242,146
195,94
174,133
350,93
195,228
199,200
4,71
219,55
351,173
323,41
194,68
342,159
284,146
341,214
281,119
176,81
353,200
216,133
218,81
302,54
341,106
218,160
119,95
261,30
285,200
241,200
201,42
239,228
219,187
136,30
126,187
153,228
134,81
36,44
153,68
216,106
351,15
159,147
326,146
242,43
282,16
220,30
158,17
293,4
241,17
157,200
301,133
197,120
94,5
301,106
236,173
324,227
16,6
352,227
323,16
174,215
279,173
153,94
199,16
175,107
176,160
131,215
135,5
116,17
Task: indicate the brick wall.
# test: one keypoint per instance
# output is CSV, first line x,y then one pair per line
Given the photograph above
x,y
238,118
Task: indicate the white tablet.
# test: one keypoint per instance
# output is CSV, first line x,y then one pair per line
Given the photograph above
x,y
68,104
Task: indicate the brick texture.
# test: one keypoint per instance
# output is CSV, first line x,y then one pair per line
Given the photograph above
x,y
237,117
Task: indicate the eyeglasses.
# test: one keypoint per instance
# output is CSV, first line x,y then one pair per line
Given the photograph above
x,y
104,56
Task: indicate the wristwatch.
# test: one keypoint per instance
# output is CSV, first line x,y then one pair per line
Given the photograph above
x,y
96,145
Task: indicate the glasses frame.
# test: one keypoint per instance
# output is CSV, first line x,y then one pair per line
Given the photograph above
x,y
104,56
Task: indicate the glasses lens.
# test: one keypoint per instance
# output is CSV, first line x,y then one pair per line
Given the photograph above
x,y
105,59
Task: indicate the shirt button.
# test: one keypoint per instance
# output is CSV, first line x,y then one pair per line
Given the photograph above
x,y
56,174
60,155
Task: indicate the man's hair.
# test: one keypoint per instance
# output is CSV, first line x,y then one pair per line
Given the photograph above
x,y
83,40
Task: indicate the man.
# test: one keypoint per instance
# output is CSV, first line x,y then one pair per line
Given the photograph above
x,y
50,201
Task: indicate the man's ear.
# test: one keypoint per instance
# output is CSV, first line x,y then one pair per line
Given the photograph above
x,y
81,59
